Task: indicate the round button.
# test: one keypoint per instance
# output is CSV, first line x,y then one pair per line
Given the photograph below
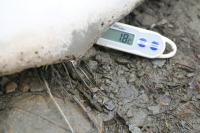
x,y
155,43
142,42
141,45
143,39
153,48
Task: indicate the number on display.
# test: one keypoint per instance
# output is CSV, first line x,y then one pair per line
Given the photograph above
x,y
124,38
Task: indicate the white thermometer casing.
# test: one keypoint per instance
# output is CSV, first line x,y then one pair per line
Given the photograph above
x,y
145,43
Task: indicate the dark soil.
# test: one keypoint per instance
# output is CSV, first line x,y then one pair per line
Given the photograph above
x,y
151,95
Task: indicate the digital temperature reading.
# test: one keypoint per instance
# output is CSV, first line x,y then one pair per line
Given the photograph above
x,y
119,36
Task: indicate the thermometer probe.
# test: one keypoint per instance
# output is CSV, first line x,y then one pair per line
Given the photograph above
x,y
136,41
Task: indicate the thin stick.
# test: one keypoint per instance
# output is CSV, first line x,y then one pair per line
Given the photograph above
x,y
57,105
91,117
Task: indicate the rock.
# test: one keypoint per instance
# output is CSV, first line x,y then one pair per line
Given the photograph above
x,y
165,100
98,58
107,82
154,109
35,84
123,109
24,87
90,53
10,87
162,22
170,26
185,110
194,98
190,75
198,96
129,113
122,60
92,64
146,19
143,98
185,98
104,69
103,58
134,129
125,92
110,105
158,63
38,114
195,124
198,82
198,56
138,118
132,78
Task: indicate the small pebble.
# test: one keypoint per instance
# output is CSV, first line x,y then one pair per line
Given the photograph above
x,y
162,22
198,96
185,110
103,58
24,87
10,87
165,100
158,63
198,56
134,129
35,85
132,78
139,117
129,113
122,61
154,109
92,64
190,75
170,26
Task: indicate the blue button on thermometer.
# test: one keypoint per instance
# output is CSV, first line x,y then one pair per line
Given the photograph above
x,y
136,41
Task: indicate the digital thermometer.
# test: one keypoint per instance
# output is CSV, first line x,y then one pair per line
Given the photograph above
x,y
136,41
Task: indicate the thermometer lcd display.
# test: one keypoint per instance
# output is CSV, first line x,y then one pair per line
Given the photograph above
x,y
119,36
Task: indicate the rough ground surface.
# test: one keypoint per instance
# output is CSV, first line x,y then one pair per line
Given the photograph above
x,y
151,95
38,114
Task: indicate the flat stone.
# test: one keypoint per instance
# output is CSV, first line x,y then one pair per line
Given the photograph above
x,y
38,114
134,129
10,87
122,60
92,64
162,22
158,63
198,96
91,52
154,109
103,58
128,91
129,113
132,78
24,87
143,98
138,118
164,100
185,110
35,84
148,20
